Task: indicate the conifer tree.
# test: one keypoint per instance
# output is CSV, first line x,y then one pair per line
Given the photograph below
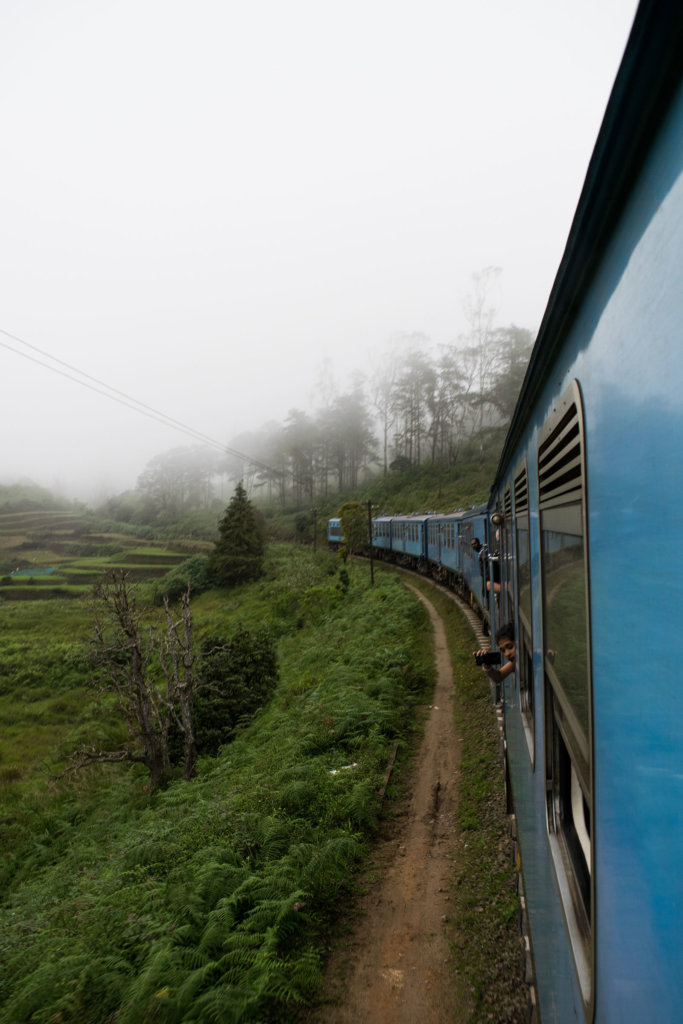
x,y
238,554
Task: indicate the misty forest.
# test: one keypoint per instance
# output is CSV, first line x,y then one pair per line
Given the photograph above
x,y
199,703
414,413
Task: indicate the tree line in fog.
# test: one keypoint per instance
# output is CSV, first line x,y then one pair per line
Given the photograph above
x,y
413,407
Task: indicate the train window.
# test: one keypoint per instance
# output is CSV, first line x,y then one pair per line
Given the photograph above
x,y
567,680
507,611
524,620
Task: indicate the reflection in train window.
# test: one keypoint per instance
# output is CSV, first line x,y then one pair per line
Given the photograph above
x,y
524,620
565,618
567,681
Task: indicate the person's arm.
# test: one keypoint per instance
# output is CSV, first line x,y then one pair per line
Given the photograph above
x,y
497,675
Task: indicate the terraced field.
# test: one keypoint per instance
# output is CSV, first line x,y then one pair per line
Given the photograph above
x,y
45,554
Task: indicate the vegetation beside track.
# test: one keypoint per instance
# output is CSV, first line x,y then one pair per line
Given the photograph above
x,y
113,900
212,896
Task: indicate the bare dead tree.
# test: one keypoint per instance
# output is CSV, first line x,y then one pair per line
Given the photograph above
x,y
150,672
177,662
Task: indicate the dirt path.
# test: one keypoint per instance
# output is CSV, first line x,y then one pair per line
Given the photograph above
x,y
396,967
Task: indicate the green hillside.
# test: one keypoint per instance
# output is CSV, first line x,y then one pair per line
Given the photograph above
x,y
211,899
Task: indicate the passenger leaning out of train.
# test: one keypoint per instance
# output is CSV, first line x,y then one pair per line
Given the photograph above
x,y
489,566
493,582
505,638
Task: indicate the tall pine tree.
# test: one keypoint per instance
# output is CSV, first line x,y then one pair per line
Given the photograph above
x,y
238,554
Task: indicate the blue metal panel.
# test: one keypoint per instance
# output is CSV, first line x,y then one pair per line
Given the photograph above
x,y
440,547
625,349
334,531
382,532
409,536
473,524
633,375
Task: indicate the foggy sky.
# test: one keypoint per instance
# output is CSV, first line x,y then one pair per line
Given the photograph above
x,y
203,201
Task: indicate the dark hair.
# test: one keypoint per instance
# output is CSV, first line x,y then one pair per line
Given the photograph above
x,y
476,543
506,632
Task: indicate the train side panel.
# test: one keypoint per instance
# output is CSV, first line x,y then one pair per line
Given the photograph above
x,y
634,420
381,533
594,743
335,537
443,550
409,538
473,525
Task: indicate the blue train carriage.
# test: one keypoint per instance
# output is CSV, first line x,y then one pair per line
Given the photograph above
x,y
381,535
443,551
450,552
588,497
409,539
335,536
475,568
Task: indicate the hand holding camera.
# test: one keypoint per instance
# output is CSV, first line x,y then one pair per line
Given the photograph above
x,y
487,658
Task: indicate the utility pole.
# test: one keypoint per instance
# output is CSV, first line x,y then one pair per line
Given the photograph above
x,y
372,565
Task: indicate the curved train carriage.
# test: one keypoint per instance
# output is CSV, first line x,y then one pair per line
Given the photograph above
x,y
585,512
438,544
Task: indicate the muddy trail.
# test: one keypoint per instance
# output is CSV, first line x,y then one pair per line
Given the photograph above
x,y
396,965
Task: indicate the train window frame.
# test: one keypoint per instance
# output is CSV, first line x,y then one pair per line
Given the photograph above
x,y
506,603
569,747
465,535
524,608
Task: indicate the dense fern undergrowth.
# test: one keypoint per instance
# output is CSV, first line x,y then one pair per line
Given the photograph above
x,y
209,901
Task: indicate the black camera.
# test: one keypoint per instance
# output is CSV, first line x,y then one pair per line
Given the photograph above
x,y
488,658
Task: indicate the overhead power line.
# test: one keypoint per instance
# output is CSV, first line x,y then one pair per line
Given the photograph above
x,y
100,387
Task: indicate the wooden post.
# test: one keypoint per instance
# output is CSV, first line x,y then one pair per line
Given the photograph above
x,y
372,564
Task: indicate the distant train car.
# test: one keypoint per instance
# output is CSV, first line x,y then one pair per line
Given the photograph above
x,y
443,549
450,551
587,499
438,544
476,566
409,539
381,534
335,536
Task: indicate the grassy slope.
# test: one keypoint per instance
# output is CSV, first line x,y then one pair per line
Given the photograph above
x,y
217,894
209,899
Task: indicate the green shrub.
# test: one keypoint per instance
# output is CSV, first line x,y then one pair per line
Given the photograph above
x,y
191,572
236,677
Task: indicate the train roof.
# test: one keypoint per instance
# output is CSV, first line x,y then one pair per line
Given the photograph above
x,y
462,513
458,513
414,517
650,72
